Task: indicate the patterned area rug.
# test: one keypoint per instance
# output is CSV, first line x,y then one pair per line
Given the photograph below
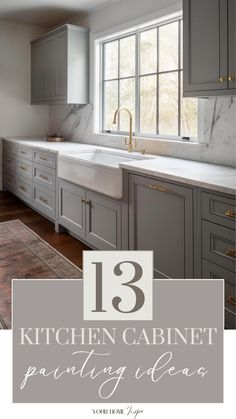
x,y
24,255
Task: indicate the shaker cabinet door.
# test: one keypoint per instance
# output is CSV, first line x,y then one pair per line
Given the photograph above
x,y
72,208
160,219
103,222
205,50
50,88
38,72
232,43
60,65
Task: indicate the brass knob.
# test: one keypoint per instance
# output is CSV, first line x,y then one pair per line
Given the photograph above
x,y
231,300
222,79
83,201
230,213
231,78
231,253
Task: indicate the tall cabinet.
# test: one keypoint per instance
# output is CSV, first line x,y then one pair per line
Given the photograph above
x,y
59,66
209,47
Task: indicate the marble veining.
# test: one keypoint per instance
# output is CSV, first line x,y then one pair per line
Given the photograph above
x,y
216,141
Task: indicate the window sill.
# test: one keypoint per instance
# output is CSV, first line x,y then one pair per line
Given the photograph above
x,y
153,140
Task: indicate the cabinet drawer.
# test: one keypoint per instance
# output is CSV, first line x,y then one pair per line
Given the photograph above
x,y
24,152
24,168
218,245
219,210
47,159
24,189
44,200
9,147
213,271
9,162
44,176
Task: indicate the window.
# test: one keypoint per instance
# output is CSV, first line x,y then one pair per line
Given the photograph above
x,y
143,72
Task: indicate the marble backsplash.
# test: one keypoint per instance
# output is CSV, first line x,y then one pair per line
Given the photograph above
x,y
216,141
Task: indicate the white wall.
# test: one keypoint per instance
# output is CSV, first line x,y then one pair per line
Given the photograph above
x,y
17,116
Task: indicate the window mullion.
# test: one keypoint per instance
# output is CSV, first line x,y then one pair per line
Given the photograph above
x,y
118,83
157,90
179,80
137,84
102,101
137,80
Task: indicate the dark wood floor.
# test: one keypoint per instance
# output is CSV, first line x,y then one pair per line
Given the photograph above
x,y
13,209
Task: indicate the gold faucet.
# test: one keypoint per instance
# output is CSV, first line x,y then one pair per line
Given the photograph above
x,y
131,144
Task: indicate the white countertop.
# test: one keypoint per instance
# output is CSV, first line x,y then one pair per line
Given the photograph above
x,y
205,175
64,147
210,176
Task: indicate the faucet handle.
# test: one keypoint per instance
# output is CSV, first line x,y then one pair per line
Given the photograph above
x,y
131,144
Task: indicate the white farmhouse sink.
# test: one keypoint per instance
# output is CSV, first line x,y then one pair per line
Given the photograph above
x,y
97,170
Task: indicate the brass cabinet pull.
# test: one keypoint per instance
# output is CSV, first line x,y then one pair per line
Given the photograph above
x,y
84,201
22,152
23,168
230,213
231,78
43,158
23,188
45,201
231,253
157,188
222,79
43,177
231,300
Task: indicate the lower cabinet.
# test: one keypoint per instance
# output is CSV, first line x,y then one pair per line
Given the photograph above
x,y
161,219
218,250
91,216
212,271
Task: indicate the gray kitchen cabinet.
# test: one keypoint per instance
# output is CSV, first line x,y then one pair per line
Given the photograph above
x,y
161,219
232,43
44,200
37,72
31,175
212,271
103,222
71,208
208,50
94,218
218,246
60,66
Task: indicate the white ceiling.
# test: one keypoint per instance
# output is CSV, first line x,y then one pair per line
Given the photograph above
x,y
45,12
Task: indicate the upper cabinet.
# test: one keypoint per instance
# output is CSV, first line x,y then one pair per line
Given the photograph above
x,y
59,66
209,47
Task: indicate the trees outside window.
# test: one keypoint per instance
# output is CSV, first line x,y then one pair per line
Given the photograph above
x,y
143,72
